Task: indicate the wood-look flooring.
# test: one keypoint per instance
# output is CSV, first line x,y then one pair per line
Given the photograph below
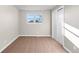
x,y
34,45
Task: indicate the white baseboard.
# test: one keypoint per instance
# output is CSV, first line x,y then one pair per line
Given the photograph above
x,y
63,46
67,49
56,40
37,35
9,43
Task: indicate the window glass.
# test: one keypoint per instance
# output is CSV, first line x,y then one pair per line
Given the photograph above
x,y
34,19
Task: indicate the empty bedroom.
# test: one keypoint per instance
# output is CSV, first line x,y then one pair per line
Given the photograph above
x,y
38,29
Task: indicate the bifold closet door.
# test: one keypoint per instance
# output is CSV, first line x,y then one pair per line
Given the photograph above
x,y
60,24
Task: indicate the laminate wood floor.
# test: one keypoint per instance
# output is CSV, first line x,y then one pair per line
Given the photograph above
x,y
34,45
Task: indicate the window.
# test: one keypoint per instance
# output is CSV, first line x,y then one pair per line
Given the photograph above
x,y
34,18
30,19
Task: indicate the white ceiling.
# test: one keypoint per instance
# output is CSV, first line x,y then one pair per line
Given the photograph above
x,y
35,7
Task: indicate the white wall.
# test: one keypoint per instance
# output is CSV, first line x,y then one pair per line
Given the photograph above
x,y
54,23
9,28
72,15
72,18
42,29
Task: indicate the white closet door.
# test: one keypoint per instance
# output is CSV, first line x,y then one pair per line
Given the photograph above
x,y
60,23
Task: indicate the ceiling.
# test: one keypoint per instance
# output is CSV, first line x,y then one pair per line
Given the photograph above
x,y
35,7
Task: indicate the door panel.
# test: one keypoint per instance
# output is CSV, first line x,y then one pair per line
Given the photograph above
x,y
60,23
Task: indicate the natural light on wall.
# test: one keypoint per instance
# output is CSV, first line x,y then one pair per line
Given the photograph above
x,y
72,34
